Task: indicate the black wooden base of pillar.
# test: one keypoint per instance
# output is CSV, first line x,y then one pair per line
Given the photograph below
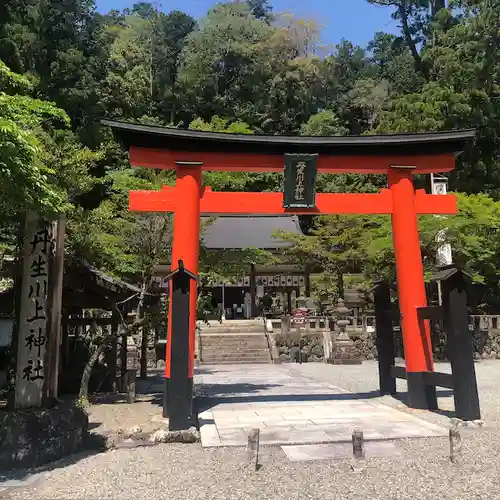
x,y
384,337
178,397
420,395
465,391
179,405
387,383
165,397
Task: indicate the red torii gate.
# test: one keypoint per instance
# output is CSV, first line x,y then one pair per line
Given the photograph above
x,y
399,157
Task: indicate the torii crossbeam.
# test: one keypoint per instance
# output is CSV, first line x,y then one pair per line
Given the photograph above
x,y
399,157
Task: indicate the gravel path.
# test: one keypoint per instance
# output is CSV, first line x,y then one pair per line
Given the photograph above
x,y
188,472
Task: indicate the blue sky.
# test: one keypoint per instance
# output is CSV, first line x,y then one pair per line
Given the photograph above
x,y
354,20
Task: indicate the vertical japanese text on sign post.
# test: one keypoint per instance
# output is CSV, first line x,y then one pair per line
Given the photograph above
x,y
35,340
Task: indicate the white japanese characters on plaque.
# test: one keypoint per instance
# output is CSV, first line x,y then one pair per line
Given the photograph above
x,y
299,180
31,373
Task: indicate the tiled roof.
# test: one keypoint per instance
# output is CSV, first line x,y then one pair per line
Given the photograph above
x,y
249,232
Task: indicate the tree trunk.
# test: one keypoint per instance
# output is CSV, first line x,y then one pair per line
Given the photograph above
x,y
419,64
87,372
144,352
128,330
340,285
437,5
143,330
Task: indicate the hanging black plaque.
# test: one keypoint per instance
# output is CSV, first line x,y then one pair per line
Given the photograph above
x,y
300,181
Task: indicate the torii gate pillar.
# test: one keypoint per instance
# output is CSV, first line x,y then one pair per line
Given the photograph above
x,y
186,247
411,290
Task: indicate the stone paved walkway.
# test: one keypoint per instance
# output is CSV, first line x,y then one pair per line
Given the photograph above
x,y
291,409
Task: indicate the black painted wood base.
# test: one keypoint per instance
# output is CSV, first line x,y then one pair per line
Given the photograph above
x,y
421,395
178,396
165,397
384,337
179,420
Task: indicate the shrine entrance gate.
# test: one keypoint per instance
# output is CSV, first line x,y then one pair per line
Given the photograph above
x,y
399,157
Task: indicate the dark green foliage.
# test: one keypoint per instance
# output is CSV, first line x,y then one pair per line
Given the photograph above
x,y
242,69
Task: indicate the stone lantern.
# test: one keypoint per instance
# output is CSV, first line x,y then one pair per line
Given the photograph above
x,y
344,352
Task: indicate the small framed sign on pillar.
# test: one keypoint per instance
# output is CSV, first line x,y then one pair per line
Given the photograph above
x,y
178,398
300,181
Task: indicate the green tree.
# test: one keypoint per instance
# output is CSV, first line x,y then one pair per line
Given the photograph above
x,y
40,37
340,70
24,123
221,71
261,9
325,123
393,63
128,89
463,92
238,66
169,37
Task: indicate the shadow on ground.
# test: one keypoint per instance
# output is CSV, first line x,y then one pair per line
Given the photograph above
x,y
443,393
20,478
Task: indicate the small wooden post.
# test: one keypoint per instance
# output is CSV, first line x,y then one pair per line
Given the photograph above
x,y
455,443
253,448
358,445
131,373
113,354
130,377
123,363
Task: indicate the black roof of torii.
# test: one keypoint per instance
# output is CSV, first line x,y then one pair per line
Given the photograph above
x,y
152,136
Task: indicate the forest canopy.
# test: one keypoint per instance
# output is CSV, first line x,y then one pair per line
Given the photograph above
x,y
242,68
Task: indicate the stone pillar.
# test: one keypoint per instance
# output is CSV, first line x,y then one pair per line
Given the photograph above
x,y
32,374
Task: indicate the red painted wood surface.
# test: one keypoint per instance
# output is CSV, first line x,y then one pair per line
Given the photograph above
x,y
236,162
272,203
186,247
410,274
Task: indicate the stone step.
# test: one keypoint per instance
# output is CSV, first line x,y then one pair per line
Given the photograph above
x,y
246,362
233,323
211,354
232,338
234,348
235,360
235,355
231,331
261,354
230,347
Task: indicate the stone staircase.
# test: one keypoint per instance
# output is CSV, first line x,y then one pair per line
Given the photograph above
x,y
233,342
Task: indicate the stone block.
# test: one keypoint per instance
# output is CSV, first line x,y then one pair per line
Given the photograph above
x,y
34,437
